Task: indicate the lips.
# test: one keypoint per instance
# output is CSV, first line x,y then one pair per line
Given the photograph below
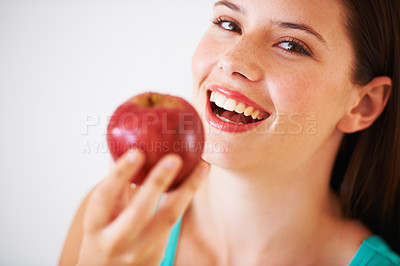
x,y
231,111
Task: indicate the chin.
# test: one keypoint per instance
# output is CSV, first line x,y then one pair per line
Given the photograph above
x,y
222,151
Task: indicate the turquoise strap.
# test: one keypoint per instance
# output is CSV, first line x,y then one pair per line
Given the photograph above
x,y
374,251
170,251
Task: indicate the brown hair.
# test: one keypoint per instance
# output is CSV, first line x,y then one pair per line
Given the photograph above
x,y
366,175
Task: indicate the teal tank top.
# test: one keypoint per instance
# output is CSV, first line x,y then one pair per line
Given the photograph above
x,y
170,251
374,251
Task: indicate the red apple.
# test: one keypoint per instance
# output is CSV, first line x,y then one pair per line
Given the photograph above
x,y
157,124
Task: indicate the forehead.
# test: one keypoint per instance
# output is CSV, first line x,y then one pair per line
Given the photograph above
x,y
305,8
322,15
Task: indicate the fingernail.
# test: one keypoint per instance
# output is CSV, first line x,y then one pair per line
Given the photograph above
x,y
132,155
203,169
170,162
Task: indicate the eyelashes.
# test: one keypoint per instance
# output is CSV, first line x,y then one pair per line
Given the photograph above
x,y
293,45
227,25
288,44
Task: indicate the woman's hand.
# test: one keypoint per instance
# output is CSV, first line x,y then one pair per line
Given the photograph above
x,y
121,226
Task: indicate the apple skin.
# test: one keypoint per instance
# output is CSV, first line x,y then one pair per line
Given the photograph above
x,y
157,124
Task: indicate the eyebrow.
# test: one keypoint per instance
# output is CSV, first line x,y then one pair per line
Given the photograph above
x,y
302,27
286,25
230,6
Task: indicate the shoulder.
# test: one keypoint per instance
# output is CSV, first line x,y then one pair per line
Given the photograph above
x,y
70,251
375,251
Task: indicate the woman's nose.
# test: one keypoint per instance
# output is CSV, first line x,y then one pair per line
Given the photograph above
x,y
242,59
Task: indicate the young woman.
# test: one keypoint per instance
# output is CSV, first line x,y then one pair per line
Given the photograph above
x,y
313,178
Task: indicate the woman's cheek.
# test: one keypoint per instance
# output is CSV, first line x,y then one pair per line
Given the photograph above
x,y
294,93
203,61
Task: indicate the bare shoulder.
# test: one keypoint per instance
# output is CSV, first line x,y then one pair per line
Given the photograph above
x,y
72,244
349,240
355,232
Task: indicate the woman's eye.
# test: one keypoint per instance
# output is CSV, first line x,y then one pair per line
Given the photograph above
x,y
295,46
227,25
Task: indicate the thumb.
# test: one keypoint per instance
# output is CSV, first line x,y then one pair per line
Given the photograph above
x,y
111,164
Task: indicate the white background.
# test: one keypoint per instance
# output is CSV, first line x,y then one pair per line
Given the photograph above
x,y
65,65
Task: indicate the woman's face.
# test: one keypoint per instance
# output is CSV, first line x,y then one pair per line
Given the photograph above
x,y
287,64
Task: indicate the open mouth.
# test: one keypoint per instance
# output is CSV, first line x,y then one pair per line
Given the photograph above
x,y
234,111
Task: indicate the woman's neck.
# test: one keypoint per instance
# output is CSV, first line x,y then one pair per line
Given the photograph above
x,y
244,215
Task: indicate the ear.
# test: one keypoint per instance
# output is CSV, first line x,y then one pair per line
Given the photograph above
x,y
371,101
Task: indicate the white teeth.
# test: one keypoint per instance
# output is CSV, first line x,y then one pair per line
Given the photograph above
x,y
212,97
240,108
227,120
248,111
220,100
255,114
232,105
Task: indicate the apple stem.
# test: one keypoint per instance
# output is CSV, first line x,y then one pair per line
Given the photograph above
x,y
151,100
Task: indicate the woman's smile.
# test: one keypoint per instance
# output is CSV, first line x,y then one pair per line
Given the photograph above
x,y
232,111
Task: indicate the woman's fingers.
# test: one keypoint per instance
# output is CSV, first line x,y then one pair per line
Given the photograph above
x,y
121,223
175,202
141,208
105,196
111,164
